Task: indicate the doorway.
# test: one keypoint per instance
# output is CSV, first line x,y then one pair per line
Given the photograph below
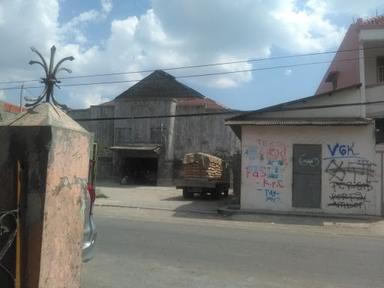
x,y
306,176
140,171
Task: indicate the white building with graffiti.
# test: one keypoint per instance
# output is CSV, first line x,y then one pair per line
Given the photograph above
x,y
323,153
326,165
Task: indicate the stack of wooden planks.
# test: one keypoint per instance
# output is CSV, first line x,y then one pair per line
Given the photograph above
x,y
201,165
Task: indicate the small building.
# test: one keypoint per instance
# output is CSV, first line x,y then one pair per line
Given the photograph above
x,y
322,153
308,164
145,131
8,110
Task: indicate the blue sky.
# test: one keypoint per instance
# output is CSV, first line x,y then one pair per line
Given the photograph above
x,y
109,36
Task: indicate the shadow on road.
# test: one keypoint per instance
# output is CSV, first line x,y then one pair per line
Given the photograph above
x,y
171,199
114,184
196,211
195,198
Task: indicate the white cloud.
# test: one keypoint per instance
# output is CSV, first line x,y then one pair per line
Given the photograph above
x,y
307,30
73,29
288,72
179,33
106,6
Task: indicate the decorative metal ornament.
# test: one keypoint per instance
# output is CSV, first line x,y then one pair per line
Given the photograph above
x,y
50,79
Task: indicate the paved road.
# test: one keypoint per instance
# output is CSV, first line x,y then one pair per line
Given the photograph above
x,y
143,248
154,197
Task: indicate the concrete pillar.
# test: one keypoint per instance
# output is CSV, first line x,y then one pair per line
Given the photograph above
x,y
54,154
171,133
363,98
166,159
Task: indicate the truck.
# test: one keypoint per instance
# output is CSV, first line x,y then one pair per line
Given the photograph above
x,y
203,174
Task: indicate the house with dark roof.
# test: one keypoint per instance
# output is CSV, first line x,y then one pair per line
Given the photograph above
x,y
145,131
323,153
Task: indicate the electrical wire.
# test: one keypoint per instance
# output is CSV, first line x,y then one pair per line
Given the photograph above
x,y
223,63
191,75
201,65
270,109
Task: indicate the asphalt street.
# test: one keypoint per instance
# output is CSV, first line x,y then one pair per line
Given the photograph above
x,y
147,248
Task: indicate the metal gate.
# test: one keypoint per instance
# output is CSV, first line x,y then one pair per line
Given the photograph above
x,y
306,176
10,240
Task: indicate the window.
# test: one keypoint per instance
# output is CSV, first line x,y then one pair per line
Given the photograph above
x,y
380,69
158,134
379,123
123,135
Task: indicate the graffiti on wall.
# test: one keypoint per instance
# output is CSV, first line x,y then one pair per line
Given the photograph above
x,y
342,150
265,165
350,176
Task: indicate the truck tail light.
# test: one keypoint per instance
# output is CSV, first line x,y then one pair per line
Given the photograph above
x,y
92,195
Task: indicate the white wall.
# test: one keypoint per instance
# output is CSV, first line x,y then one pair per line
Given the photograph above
x,y
371,34
267,167
375,93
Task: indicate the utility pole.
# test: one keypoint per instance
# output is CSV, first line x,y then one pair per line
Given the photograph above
x,y
21,96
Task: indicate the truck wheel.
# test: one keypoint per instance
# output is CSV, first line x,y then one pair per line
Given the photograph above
x,y
216,194
187,194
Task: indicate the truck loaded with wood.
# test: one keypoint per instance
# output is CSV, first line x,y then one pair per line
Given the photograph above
x,y
203,174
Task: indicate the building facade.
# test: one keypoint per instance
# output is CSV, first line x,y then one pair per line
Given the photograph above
x,y
326,166
324,153
144,132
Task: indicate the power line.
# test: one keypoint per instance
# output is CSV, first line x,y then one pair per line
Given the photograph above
x,y
199,65
277,109
222,63
194,75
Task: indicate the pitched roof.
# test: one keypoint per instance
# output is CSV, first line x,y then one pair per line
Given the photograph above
x,y
285,106
345,64
44,114
159,84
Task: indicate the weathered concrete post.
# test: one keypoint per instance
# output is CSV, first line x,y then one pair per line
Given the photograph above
x,y
54,152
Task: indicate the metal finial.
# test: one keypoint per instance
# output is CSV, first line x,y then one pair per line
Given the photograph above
x,y
50,79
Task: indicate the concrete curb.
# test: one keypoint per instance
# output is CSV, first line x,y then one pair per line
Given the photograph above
x,y
366,222
235,211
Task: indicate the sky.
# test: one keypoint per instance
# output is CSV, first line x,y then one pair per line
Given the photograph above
x,y
126,37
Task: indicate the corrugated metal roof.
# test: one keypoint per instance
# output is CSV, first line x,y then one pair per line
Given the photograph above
x,y
302,122
285,105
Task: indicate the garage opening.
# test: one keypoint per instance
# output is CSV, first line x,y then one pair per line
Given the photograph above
x,y
137,164
139,171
